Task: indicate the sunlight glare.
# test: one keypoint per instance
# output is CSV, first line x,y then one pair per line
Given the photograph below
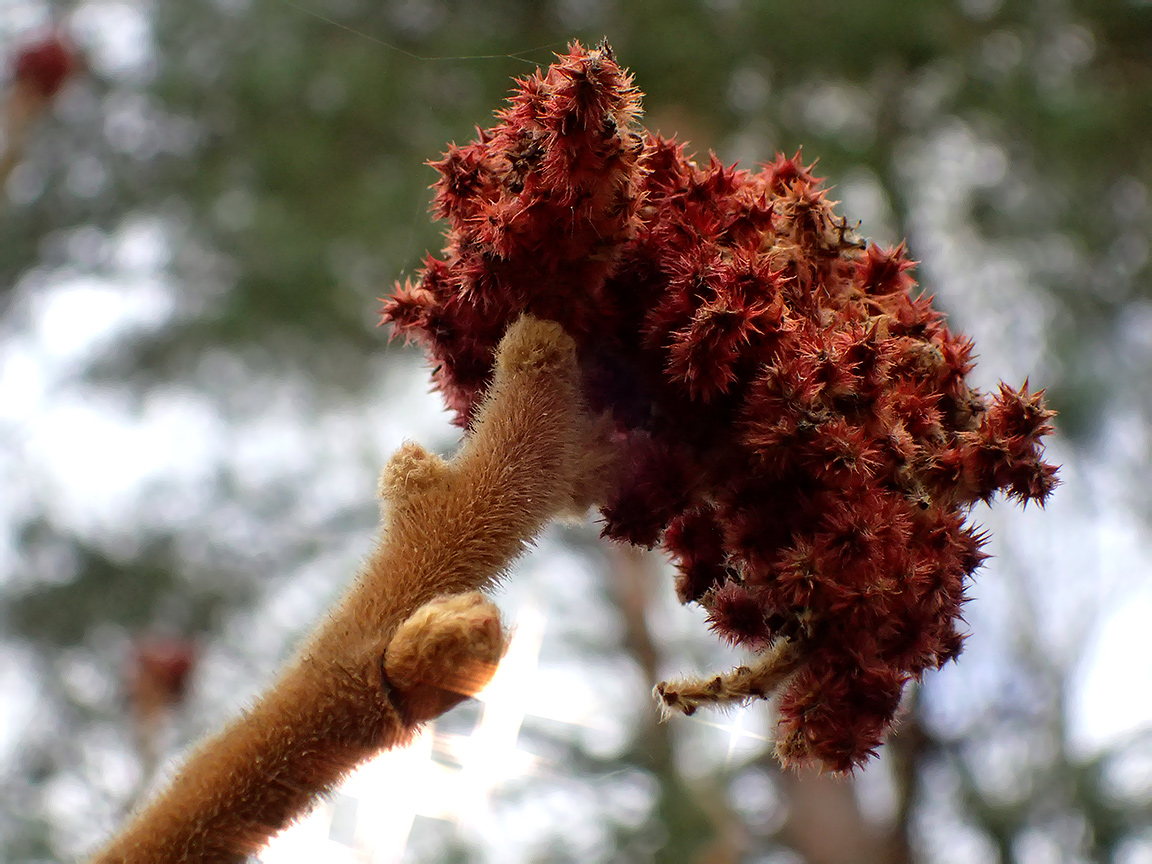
x,y
398,785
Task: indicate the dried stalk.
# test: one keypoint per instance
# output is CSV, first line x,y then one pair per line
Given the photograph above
x,y
764,676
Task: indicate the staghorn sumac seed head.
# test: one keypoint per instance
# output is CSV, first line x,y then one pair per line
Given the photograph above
x,y
794,421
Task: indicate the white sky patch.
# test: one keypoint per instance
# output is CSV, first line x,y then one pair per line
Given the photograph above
x,y
20,687
117,37
78,446
95,459
1112,692
70,321
22,16
77,316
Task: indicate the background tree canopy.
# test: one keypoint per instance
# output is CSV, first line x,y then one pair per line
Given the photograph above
x,y
196,400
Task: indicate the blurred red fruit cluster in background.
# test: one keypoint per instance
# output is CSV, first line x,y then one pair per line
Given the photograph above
x,y
45,65
158,674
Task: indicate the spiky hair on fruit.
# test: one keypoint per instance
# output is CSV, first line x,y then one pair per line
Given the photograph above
x,y
793,419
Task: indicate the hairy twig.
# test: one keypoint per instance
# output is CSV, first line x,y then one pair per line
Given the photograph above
x,y
403,644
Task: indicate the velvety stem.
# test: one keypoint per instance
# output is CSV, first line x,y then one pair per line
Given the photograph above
x,y
450,527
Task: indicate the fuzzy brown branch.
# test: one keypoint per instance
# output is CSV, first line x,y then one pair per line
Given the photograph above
x,y
402,642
